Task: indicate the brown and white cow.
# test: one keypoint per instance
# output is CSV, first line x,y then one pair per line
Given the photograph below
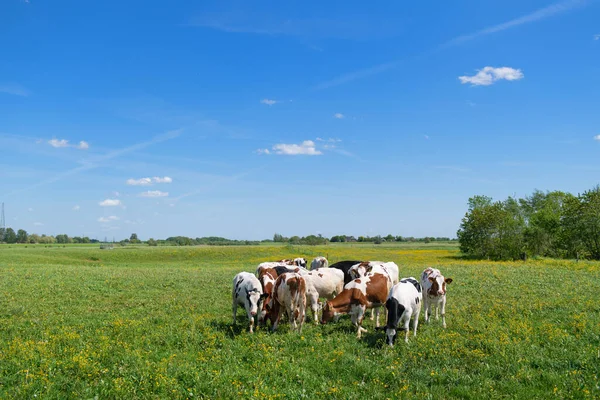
x,y
434,293
247,292
388,269
319,262
369,291
289,294
268,264
267,278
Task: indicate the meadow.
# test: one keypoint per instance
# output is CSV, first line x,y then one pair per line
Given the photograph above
x,y
143,322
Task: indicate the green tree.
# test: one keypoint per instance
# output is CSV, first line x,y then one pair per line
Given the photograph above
x,y
22,236
581,225
10,236
63,239
134,238
152,242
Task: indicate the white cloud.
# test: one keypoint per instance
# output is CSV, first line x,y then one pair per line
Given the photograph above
x,y
139,182
110,203
149,181
489,75
108,219
65,143
38,224
263,151
338,115
330,140
268,102
76,208
58,143
165,179
597,137
154,193
305,148
426,137
597,37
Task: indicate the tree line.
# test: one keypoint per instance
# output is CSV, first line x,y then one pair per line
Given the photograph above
x,y
315,240
9,236
550,224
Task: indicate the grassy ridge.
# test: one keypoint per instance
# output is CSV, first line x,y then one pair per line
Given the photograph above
x,y
78,322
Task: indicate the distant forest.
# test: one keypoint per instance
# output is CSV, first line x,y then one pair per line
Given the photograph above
x,y
9,236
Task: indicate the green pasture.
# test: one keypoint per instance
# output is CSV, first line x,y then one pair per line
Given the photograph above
x,y
155,322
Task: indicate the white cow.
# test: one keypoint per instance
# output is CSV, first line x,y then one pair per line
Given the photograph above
x,y
324,283
319,262
247,292
434,289
403,303
289,294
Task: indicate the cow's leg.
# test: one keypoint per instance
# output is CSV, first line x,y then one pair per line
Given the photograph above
x,y
444,311
313,301
372,313
416,320
277,313
302,309
357,320
377,317
425,309
291,310
437,309
251,320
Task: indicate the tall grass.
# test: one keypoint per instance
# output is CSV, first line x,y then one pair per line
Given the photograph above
x,y
80,322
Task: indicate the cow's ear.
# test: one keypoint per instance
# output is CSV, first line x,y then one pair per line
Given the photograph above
x,y
448,280
368,269
431,279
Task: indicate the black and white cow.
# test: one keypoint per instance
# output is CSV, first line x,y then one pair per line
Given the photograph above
x,y
403,303
247,292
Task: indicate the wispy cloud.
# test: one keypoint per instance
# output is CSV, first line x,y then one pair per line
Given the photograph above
x,y
538,15
489,75
597,137
76,208
38,224
597,37
330,140
307,148
110,203
14,89
65,143
96,161
108,219
268,102
154,193
541,14
149,181
338,116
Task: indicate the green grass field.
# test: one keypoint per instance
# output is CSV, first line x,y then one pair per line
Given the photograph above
x,y
140,322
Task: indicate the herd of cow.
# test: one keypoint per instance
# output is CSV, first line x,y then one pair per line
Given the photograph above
x,y
349,287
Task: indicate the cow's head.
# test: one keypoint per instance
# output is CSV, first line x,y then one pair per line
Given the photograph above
x,y
359,270
299,262
328,313
254,298
438,285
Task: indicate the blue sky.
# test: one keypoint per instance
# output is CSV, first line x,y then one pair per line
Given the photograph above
x,y
242,119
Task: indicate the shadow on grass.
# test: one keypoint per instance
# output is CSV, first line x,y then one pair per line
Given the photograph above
x,y
229,330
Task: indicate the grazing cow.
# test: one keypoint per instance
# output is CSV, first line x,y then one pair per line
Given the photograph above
x,y
403,303
298,262
247,292
345,266
319,262
267,279
289,293
284,269
324,283
370,291
434,289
